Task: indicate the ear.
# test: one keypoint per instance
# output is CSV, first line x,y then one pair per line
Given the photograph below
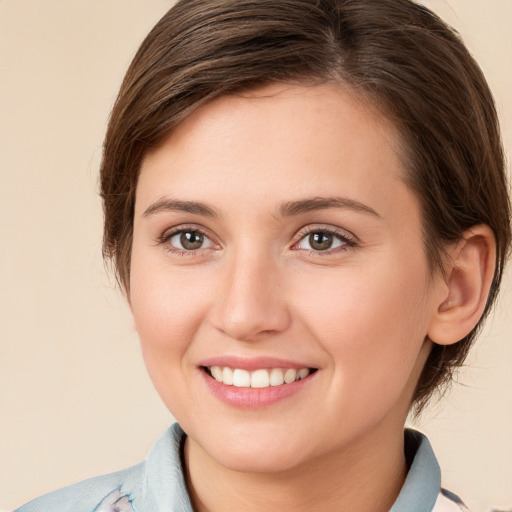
x,y
468,276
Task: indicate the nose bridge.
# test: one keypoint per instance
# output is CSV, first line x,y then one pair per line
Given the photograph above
x,y
251,301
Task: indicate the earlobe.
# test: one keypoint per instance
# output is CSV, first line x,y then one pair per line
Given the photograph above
x,y
469,274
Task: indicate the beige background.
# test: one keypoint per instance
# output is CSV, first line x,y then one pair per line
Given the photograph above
x,y
74,397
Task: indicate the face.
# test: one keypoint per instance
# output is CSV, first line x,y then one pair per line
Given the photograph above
x,y
279,283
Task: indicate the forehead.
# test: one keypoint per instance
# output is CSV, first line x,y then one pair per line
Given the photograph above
x,y
309,108
279,142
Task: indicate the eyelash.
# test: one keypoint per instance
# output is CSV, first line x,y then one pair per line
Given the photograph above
x,y
344,237
165,238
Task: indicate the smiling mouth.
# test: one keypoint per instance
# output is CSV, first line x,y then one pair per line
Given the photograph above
x,y
263,378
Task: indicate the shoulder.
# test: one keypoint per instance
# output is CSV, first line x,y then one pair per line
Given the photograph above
x,y
157,484
94,494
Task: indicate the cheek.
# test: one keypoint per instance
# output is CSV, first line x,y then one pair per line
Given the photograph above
x,y
368,322
167,308
357,305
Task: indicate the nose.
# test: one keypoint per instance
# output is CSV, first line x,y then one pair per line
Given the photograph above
x,y
251,302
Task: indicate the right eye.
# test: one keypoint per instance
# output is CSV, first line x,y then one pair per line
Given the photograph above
x,y
187,240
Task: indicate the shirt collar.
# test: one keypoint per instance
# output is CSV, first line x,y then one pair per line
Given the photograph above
x,y
423,483
164,484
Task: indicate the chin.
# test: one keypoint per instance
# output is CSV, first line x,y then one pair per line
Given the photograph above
x,y
254,448
258,460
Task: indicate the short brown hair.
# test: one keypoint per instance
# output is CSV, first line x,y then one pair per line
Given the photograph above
x,y
397,53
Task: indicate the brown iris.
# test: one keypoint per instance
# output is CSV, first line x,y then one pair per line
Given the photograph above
x,y
320,241
191,240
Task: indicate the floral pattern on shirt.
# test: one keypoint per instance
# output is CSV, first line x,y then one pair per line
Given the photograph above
x,y
116,501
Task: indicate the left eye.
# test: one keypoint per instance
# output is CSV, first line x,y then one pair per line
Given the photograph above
x,y
189,240
322,241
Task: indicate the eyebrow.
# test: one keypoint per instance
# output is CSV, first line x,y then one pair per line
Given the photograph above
x,y
320,203
287,209
167,205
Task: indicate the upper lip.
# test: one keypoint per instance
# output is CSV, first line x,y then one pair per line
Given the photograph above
x,y
253,363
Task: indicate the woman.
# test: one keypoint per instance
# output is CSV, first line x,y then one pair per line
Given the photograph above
x,y
305,203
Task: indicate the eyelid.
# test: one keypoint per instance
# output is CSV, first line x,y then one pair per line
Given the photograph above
x,y
174,230
349,239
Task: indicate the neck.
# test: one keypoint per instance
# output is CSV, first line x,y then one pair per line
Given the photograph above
x,y
366,476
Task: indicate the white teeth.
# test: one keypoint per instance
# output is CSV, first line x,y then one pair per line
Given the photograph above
x,y
258,378
241,378
276,377
216,372
302,373
290,375
227,376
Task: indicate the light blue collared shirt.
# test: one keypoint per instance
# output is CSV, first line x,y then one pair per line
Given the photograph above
x,y
158,484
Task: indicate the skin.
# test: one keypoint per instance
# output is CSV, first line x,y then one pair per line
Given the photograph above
x,y
359,313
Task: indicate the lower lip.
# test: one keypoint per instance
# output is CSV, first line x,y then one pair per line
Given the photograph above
x,y
254,398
